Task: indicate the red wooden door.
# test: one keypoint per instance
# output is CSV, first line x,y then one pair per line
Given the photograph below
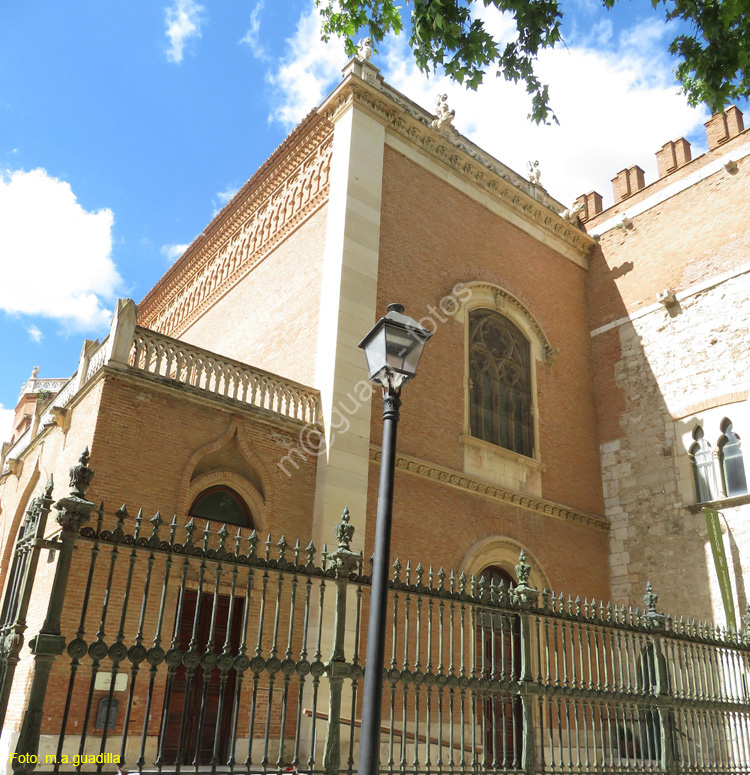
x,y
199,693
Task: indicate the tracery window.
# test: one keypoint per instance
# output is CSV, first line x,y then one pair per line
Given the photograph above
x,y
732,464
702,458
222,504
500,382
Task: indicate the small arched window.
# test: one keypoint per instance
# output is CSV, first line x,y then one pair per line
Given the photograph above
x,y
732,465
222,504
500,382
702,458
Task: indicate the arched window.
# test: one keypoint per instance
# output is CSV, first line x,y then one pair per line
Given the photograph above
x,y
702,458
500,382
732,465
222,504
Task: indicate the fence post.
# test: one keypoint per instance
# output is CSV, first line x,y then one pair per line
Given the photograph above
x,y
656,622
74,511
343,562
526,598
16,601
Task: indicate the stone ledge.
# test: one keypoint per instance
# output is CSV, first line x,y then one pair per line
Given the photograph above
x,y
724,503
516,457
461,481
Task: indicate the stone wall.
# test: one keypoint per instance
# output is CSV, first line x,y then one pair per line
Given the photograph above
x,y
675,369
668,289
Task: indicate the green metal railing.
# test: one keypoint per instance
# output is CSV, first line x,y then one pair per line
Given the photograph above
x,y
175,646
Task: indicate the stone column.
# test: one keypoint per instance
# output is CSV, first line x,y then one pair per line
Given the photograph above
x,y
348,300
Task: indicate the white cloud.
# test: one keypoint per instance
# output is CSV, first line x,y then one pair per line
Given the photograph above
x,y
222,197
304,76
59,262
34,334
226,195
616,106
6,423
183,21
252,36
174,251
615,97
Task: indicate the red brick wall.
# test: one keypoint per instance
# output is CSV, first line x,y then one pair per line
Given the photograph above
x,y
432,237
702,231
437,525
145,442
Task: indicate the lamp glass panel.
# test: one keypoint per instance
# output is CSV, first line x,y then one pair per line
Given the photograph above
x,y
411,359
375,352
401,348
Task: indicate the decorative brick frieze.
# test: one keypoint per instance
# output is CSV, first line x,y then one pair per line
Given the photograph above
x,y
288,188
458,479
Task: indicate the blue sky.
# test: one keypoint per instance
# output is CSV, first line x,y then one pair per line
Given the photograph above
x,y
124,127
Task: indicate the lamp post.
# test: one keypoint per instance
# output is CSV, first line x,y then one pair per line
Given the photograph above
x,y
393,349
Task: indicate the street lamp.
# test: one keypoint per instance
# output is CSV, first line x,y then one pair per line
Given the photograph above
x,y
393,349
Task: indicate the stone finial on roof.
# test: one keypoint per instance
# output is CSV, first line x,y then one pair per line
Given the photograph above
x,y
444,115
535,174
572,214
364,49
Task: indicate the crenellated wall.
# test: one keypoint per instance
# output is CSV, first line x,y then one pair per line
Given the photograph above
x,y
668,302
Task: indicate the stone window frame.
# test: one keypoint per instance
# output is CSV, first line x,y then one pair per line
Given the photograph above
x,y
245,489
248,523
728,426
711,420
701,446
506,468
503,552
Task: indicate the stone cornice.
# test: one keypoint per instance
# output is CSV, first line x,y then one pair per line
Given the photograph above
x,y
454,151
289,186
461,481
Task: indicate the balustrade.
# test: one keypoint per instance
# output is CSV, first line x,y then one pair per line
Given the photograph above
x,y
175,360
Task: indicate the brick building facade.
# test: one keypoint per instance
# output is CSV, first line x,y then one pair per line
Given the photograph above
x,y
240,369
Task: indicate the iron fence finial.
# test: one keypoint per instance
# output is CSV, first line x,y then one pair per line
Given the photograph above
x,y
48,488
345,531
81,476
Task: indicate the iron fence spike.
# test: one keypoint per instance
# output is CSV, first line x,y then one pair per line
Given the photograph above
x,y
138,521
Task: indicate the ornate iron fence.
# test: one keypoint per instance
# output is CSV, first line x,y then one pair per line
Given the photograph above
x,y
19,586
179,646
